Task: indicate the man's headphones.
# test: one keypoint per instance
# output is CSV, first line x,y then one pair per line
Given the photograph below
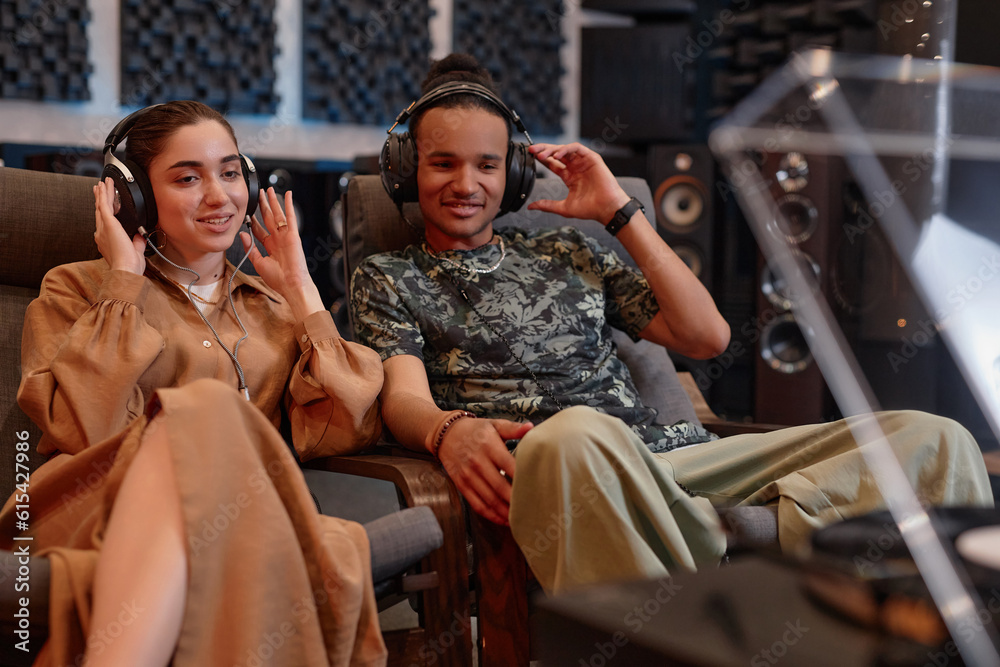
x,y
135,194
398,162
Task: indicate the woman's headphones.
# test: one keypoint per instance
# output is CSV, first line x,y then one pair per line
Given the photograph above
x,y
135,194
398,161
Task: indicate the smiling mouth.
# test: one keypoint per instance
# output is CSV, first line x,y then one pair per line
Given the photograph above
x,y
463,206
215,222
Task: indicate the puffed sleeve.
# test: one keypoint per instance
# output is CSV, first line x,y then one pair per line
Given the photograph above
x,y
84,347
333,392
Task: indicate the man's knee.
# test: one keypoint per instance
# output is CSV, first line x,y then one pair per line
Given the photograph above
x,y
562,435
577,439
933,430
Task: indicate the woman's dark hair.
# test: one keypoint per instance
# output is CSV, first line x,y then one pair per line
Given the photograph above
x,y
458,67
155,126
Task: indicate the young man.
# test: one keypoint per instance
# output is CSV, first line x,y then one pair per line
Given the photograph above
x,y
512,327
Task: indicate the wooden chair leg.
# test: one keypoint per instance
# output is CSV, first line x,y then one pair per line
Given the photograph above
x,y
501,594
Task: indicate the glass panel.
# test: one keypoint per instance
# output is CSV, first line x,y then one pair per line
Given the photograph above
x,y
918,142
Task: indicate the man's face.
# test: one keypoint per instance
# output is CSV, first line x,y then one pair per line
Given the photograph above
x,y
461,174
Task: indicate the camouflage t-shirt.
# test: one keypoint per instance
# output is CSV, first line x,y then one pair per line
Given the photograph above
x,y
554,298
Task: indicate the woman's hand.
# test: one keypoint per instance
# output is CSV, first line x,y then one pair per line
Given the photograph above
x,y
594,192
284,269
119,251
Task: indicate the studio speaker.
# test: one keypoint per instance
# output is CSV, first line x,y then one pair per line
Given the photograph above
x,y
789,387
682,179
834,230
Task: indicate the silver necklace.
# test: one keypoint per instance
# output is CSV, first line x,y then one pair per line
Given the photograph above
x,y
467,269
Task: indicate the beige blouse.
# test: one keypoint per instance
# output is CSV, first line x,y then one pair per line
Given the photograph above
x,y
262,563
98,342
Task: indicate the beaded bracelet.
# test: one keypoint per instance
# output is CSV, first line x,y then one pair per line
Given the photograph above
x,y
444,429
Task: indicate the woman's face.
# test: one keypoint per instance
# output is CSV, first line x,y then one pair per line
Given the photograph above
x,y
201,197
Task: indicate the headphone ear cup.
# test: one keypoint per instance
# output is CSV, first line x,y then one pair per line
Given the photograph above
x,y
253,184
137,207
520,177
397,165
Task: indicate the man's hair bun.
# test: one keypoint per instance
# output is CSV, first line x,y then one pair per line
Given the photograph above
x,y
457,67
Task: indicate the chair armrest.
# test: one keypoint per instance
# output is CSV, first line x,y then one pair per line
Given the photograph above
x,y
711,421
421,481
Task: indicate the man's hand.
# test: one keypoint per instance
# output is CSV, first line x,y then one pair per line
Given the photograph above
x,y
474,455
594,192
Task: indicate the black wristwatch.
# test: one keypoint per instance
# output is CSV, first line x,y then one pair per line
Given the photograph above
x,y
623,215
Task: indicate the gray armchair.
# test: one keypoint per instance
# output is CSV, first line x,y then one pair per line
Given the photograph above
x,y
500,574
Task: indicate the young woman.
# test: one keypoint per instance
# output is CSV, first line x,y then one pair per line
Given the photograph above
x,y
175,518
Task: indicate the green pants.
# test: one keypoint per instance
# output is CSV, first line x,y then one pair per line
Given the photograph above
x,y
591,504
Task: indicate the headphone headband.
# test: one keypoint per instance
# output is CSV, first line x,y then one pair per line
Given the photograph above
x,y
122,128
461,88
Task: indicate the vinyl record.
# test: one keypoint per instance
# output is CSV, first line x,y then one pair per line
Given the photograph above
x,y
871,539
862,570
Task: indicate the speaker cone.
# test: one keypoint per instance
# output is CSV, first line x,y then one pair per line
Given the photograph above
x,y
777,291
797,217
691,256
783,345
680,203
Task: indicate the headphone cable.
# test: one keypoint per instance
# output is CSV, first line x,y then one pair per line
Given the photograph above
x,y
234,353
